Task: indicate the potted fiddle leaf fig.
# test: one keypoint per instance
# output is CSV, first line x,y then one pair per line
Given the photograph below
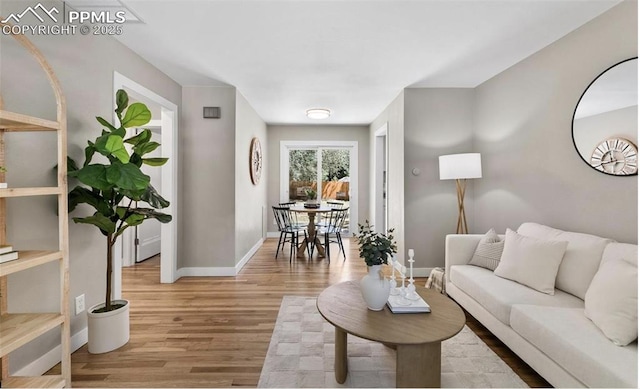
x,y
112,185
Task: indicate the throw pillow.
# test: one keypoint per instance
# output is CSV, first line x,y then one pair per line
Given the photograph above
x,y
611,301
581,260
488,251
531,262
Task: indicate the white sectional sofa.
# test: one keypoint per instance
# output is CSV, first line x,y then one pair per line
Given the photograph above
x,y
549,332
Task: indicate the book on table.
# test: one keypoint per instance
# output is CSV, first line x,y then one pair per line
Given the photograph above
x,y
10,256
400,304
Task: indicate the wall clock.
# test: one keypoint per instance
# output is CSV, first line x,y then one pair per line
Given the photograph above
x,y
255,161
616,156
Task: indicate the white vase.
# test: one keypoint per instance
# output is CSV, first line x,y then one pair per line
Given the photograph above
x,y
108,330
375,288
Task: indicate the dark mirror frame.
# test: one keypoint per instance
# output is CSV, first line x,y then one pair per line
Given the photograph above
x,y
573,118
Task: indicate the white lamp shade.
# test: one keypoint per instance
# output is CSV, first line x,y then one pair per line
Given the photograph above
x,y
460,166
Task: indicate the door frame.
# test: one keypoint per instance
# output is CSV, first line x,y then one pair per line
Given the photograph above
x,y
381,185
287,145
125,247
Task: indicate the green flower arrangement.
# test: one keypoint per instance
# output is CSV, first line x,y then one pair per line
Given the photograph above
x,y
311,194
375,247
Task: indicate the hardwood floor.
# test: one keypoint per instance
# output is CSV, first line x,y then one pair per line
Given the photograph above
x,y
214,332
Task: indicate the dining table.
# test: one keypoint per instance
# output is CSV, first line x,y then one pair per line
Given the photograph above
x,y
311,228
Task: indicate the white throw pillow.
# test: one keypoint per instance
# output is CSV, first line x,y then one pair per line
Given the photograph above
x,y
611,301
488,251
531,262
581,260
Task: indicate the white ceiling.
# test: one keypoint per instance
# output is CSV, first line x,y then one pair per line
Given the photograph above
x,y
351,56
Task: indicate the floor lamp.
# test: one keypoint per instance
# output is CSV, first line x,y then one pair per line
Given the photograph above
x,y
460,167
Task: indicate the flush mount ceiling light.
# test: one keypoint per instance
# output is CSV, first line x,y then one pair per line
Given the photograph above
x,y
318,113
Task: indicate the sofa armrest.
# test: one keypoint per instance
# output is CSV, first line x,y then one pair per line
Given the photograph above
x,y
458,250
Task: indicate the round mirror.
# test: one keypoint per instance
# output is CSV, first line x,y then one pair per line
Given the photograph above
x,y
605,122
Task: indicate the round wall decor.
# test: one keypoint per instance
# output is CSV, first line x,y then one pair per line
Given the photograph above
x,y
605,121
255,160
617,156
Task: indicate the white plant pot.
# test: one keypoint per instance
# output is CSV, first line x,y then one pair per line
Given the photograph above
x,y
108,330
375,288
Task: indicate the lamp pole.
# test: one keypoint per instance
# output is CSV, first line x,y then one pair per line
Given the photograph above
x,y
461,185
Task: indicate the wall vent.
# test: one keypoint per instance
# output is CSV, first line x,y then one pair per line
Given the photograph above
x,y
211,112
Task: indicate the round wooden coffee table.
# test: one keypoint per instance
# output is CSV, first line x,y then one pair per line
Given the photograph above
x,y
416,336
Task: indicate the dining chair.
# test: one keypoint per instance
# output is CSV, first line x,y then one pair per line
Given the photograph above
x,y
289,204
324,220
335,223
289,229
335,204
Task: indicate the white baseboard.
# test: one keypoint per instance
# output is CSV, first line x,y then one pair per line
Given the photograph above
x,y
421,271
207,271
273,234
52,358
219,271
248,255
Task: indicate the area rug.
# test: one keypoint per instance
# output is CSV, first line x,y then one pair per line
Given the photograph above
x,y
301,355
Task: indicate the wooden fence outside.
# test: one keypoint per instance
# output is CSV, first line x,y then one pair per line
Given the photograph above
x,y
335,190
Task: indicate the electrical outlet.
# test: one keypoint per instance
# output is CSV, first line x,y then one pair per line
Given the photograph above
x,y
79,304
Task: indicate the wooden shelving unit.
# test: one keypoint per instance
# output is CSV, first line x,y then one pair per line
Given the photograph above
x,y
17,329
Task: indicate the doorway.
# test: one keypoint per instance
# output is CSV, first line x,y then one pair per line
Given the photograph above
x,y
148,235
327,171
381,179
125,250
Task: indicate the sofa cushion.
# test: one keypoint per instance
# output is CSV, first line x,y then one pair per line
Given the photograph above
x,y
488,251
617,250
530,261
576,344
581,260
497,295
612,301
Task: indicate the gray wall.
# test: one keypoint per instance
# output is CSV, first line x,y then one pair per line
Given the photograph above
x,y
437,122
84,65
523,130
207,231
394,116
277,133
251,200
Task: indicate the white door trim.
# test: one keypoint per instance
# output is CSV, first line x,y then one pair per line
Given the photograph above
x,y
285,145
378,189
169,231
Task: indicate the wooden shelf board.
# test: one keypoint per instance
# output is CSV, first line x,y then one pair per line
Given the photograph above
x,y
28,259
24,192
45,381
11,121
17,329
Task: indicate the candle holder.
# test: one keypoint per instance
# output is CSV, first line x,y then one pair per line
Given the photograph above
x,y
410,293
392,280
402,290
